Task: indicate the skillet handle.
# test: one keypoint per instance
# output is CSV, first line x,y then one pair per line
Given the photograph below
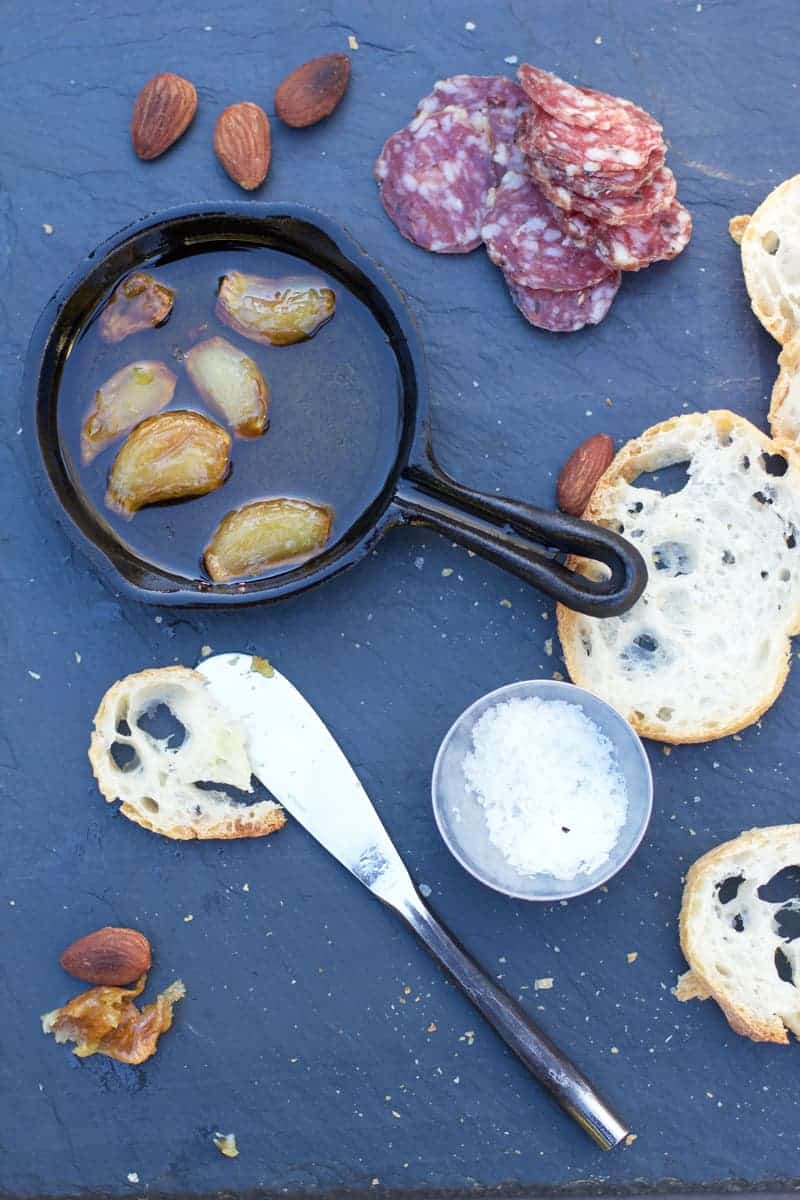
x,y
525,540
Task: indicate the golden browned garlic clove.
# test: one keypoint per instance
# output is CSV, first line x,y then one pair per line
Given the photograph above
x,y
275,312
139,390
266,534
139,302
169,457
231,383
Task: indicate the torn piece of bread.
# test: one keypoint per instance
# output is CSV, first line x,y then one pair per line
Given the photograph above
x,y
705,650
167,787
784,409
732,939
771,260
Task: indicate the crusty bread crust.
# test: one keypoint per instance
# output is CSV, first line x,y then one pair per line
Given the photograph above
x,y
655,449
758,1010
783,418
775,221
214,750
737,227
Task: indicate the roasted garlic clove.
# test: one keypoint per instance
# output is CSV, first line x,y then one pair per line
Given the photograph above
x,y
168,457
266,534
231,383
275,312
105,1020
139,302
137,391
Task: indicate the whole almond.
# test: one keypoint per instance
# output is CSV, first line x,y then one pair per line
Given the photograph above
x,y
313,90
163,111
109,957
242,143
581,473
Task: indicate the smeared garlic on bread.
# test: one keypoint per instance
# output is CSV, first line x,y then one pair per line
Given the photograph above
x,y
706,649
177,790
731,934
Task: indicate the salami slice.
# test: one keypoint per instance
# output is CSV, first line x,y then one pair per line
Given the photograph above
x,y
564,312
524,239
502,100
593,151
574,225
584,107
632,247
436,177
557,178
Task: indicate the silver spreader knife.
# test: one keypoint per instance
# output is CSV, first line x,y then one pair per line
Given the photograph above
x,y
297,759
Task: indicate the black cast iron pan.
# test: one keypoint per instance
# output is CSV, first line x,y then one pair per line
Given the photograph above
x,y
519,537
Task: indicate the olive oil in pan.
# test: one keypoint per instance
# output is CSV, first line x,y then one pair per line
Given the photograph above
x,y
334,415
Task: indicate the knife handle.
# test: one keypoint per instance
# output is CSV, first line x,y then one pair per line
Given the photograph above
x,y
569,1086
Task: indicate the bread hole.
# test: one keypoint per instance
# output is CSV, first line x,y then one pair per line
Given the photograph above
x,y
783,966
673,557
664,714
783,886
728,889
149,804
638,715
790,538
722,970
787,923
636,533
258,795
635,508
784,575
765,574
667,481
770,241
160,723
763,498
774,464
745,463
124,728
124,756
728,558
586,642
738,923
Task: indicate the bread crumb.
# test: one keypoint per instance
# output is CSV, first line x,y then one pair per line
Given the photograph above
x,y
468,1036
431,1028
557,676
548,647
352,41
505,604
615,1049
598,41
189,917
469,26
543,985
630,1139
78,658
406,990
511,59
48,229
447,572
205,651
262,666
245,887
395,1114
632,957
375,1182
132,1177
226,1144
34,674
666,751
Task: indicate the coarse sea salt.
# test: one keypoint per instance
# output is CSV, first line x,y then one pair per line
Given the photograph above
x,y
549,785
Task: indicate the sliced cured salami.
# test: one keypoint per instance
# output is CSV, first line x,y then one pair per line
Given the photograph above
x,y
576,226
584,107
502,101
566,178
592,151
631,247
436,177
564,312
524,239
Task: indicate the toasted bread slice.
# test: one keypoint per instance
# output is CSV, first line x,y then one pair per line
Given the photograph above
x,y
771,260
705,651
159,784
731,939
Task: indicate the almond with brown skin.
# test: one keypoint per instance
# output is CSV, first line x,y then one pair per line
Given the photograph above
x,y
581,473
109,957
163,111
242,143
313,90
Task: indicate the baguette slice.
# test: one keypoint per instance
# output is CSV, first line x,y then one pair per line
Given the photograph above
x,y
158,786
784,409
705,651
730,938
771,260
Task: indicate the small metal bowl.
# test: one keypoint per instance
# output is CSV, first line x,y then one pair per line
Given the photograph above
x,y
461,819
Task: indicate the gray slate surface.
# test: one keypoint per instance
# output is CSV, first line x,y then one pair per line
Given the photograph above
x,y
305,1027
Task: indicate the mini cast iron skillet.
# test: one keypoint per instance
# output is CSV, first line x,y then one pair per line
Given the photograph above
x,y
519,537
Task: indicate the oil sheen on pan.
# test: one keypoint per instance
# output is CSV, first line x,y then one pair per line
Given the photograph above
x,y
334,415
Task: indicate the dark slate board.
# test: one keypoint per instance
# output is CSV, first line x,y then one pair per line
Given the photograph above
x,y
305,1027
